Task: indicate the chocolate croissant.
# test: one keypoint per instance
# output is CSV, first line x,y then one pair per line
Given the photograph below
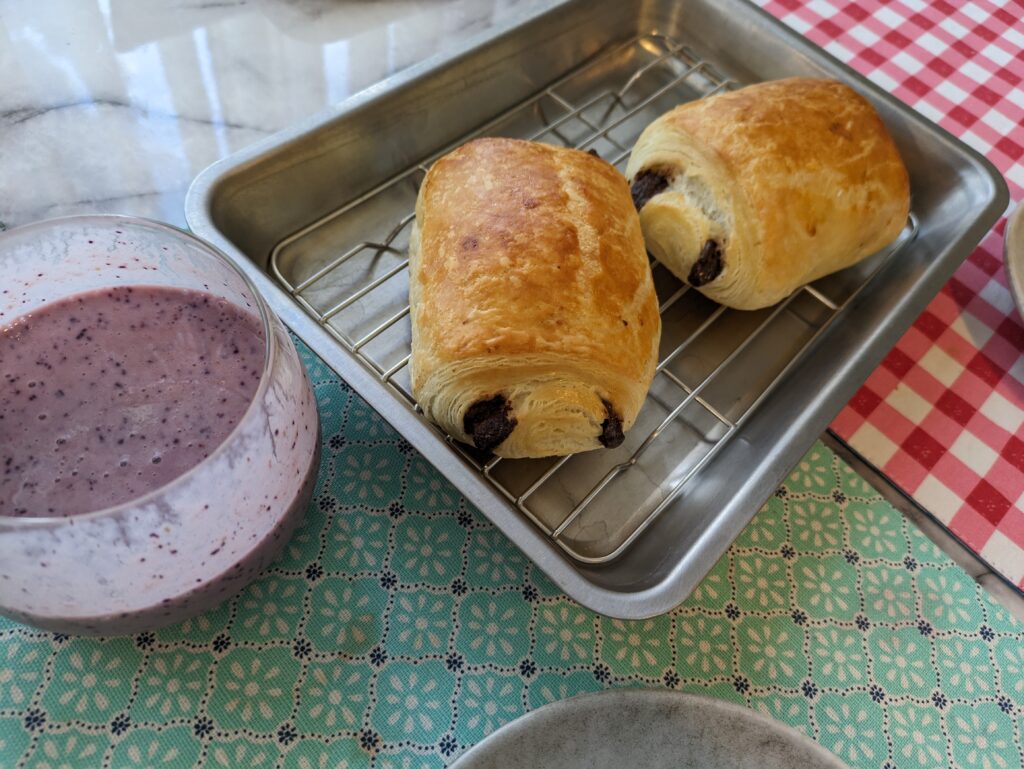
x,y
750,195
535,324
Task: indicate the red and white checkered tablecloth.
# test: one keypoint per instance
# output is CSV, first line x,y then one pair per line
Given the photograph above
x,y
943,416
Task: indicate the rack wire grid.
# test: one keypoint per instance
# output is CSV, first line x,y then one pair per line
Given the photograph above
x,y
348,270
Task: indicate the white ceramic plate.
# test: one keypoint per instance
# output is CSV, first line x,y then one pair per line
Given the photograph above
x,y
646,729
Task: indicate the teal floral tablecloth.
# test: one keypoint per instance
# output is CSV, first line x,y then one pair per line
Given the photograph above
x,y
400,627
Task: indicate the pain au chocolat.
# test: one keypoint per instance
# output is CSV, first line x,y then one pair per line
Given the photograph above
x,y
535,324
751,194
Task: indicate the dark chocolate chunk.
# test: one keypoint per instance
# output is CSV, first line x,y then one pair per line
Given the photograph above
x,y
593,152
611,429
489,422
708,265
647,184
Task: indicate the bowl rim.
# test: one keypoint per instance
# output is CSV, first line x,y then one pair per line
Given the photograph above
x,y
270,352
667,703
1013,253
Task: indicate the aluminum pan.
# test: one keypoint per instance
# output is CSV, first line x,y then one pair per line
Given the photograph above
x,y
246,203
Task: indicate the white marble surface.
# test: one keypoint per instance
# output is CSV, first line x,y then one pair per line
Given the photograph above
x,y
115,105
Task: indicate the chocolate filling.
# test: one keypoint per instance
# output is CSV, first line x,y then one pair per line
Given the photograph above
x,y
488,422
708,265
646,185
611,429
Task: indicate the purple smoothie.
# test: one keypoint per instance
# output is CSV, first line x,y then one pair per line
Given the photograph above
x,y
110,394
178,412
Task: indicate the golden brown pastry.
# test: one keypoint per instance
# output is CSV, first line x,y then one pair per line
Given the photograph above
x,y
751,194
535,323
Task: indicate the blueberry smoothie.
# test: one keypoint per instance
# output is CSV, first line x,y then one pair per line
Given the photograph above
x,y
110,394
157,447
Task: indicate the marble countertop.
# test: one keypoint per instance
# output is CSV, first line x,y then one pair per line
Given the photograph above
x,y
114,106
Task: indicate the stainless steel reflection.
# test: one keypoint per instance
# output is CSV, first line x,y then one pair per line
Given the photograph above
x,y
320,214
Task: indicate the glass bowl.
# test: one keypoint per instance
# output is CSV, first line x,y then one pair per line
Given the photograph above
x,y
184,547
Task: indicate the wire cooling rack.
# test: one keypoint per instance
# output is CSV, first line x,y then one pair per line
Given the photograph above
x,y
348,270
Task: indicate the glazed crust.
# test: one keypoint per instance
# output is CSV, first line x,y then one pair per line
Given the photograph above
x,y
530,289
792,179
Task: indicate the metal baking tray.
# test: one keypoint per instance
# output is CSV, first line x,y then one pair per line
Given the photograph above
x,y
319,217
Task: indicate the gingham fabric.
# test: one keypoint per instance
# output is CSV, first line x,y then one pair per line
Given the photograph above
x,y
943,416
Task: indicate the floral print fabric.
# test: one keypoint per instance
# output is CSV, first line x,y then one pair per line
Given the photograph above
x,y
400,627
